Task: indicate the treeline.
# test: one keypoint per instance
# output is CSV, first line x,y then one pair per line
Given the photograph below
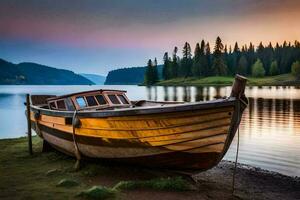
x,y
125,76
129,75
246,60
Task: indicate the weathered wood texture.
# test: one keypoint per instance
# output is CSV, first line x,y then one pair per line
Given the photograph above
x,y
194,132
238,87
40,99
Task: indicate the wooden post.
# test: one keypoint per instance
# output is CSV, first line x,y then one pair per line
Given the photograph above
x,y
238,87
28,124
238,91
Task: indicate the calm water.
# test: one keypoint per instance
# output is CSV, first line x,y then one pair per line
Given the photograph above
x,y
269,131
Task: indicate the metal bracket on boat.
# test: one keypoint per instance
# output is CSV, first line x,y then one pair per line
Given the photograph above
x,y
76,124
37,116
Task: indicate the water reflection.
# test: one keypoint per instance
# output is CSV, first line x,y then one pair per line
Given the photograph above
x,y
270,128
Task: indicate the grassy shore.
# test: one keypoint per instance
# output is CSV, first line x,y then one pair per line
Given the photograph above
x,y
279,80
51,176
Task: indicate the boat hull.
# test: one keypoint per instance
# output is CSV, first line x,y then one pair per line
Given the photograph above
x,y
191,136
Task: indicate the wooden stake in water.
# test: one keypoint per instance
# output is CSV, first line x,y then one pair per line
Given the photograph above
x,y
28,124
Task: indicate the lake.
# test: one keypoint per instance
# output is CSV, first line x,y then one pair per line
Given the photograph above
x,y
269,131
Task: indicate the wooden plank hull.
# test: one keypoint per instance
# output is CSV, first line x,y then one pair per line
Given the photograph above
x,y
190,137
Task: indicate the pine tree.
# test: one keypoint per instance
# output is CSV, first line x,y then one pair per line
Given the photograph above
x,y
274,60
166,72
208,70
219,67
226,56
242,66
204,68
268,57
186,61
149,73
236,47
251,57
260,51
155,72
197,61
174,64
235,58
285,59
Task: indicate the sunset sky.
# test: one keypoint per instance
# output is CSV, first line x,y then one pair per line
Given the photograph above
x,y
95,36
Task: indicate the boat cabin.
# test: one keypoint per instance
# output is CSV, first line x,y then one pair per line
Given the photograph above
x,y
90,100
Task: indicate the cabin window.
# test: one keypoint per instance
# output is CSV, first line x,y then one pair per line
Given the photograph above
x,y
91,101
61,105
114,99
81,102
100,99
123,99
52,105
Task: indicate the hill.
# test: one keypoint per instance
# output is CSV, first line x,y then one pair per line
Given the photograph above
x,y
128,76
27,73
97,79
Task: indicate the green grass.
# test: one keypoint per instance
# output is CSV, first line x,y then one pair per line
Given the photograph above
x,y
176,184
284,79
98,192
167,184
67,183
51,175
33,177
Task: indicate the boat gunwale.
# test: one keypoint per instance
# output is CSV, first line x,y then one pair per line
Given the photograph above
x,y
139,110
85,92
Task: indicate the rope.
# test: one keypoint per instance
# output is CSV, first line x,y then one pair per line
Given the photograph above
x,y
77,152
237,149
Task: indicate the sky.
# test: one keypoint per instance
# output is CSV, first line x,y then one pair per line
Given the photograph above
x,y
96,36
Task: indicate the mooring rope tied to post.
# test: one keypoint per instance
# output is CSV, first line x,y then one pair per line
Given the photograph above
x,y
237,148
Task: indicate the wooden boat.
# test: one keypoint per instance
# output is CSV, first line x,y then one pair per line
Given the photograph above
x,y
106,124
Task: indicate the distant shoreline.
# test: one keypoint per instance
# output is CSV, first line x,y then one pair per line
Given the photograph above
x,y
279,80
